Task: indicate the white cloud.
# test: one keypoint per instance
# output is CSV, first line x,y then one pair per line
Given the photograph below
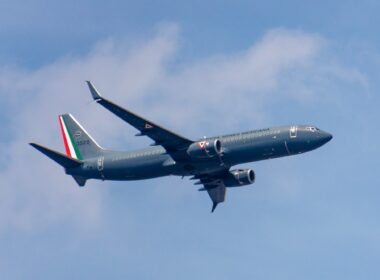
x,y
34,191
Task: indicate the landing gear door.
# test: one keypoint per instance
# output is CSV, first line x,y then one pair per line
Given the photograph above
x,y
293,131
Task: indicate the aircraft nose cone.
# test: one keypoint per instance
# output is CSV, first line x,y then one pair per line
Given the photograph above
x,y
326,137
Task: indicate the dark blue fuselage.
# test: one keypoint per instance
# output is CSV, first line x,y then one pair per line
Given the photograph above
x,y
236,149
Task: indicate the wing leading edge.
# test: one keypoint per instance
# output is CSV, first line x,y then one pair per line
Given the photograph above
x,y
171,141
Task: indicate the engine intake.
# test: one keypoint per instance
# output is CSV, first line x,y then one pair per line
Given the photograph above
x,y
205,149
240,177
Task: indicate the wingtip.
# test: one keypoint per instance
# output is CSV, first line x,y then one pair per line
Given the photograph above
x,y
214,204
95,94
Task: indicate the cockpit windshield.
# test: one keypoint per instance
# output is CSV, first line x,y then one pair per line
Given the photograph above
x,y
312,128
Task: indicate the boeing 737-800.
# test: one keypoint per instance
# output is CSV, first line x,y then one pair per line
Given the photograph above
x,y
208,161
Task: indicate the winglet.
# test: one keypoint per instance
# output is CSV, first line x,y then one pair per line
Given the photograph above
x,y
95,94
214,204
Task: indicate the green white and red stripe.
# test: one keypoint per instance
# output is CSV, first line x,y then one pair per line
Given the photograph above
x,y
68,140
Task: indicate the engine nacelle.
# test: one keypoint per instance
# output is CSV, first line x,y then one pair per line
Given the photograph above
x,y
205,149
240,177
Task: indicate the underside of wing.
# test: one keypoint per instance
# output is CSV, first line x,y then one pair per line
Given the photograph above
x,y
215,187
217,194
171,141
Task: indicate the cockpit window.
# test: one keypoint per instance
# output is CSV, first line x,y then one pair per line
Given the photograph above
x,y
312,128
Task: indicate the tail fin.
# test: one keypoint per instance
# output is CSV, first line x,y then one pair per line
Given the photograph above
x,y
78,143
58,157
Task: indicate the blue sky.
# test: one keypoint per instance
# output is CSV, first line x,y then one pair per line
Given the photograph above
x,y
200,69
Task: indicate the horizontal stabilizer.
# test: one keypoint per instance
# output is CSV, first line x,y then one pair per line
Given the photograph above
x,y
58,157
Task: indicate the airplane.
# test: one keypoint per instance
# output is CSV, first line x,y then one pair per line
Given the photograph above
x,y
208,160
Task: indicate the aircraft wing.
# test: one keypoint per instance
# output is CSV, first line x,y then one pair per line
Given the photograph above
x,y
217,194
171,141
215,187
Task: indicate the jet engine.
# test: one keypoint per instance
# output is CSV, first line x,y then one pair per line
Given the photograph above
x,y
240,177
205,149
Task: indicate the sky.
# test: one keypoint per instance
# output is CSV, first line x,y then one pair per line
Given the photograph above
x,y
200,69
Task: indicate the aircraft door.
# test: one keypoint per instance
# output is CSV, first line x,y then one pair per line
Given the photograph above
x,y
294,144
293,131
100,163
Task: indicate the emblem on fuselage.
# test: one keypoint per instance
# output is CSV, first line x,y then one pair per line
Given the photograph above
x,y
203,144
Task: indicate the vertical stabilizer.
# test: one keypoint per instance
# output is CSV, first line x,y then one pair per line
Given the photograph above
x,y
78,143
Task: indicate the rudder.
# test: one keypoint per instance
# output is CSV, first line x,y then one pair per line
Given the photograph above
x,y
78,143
